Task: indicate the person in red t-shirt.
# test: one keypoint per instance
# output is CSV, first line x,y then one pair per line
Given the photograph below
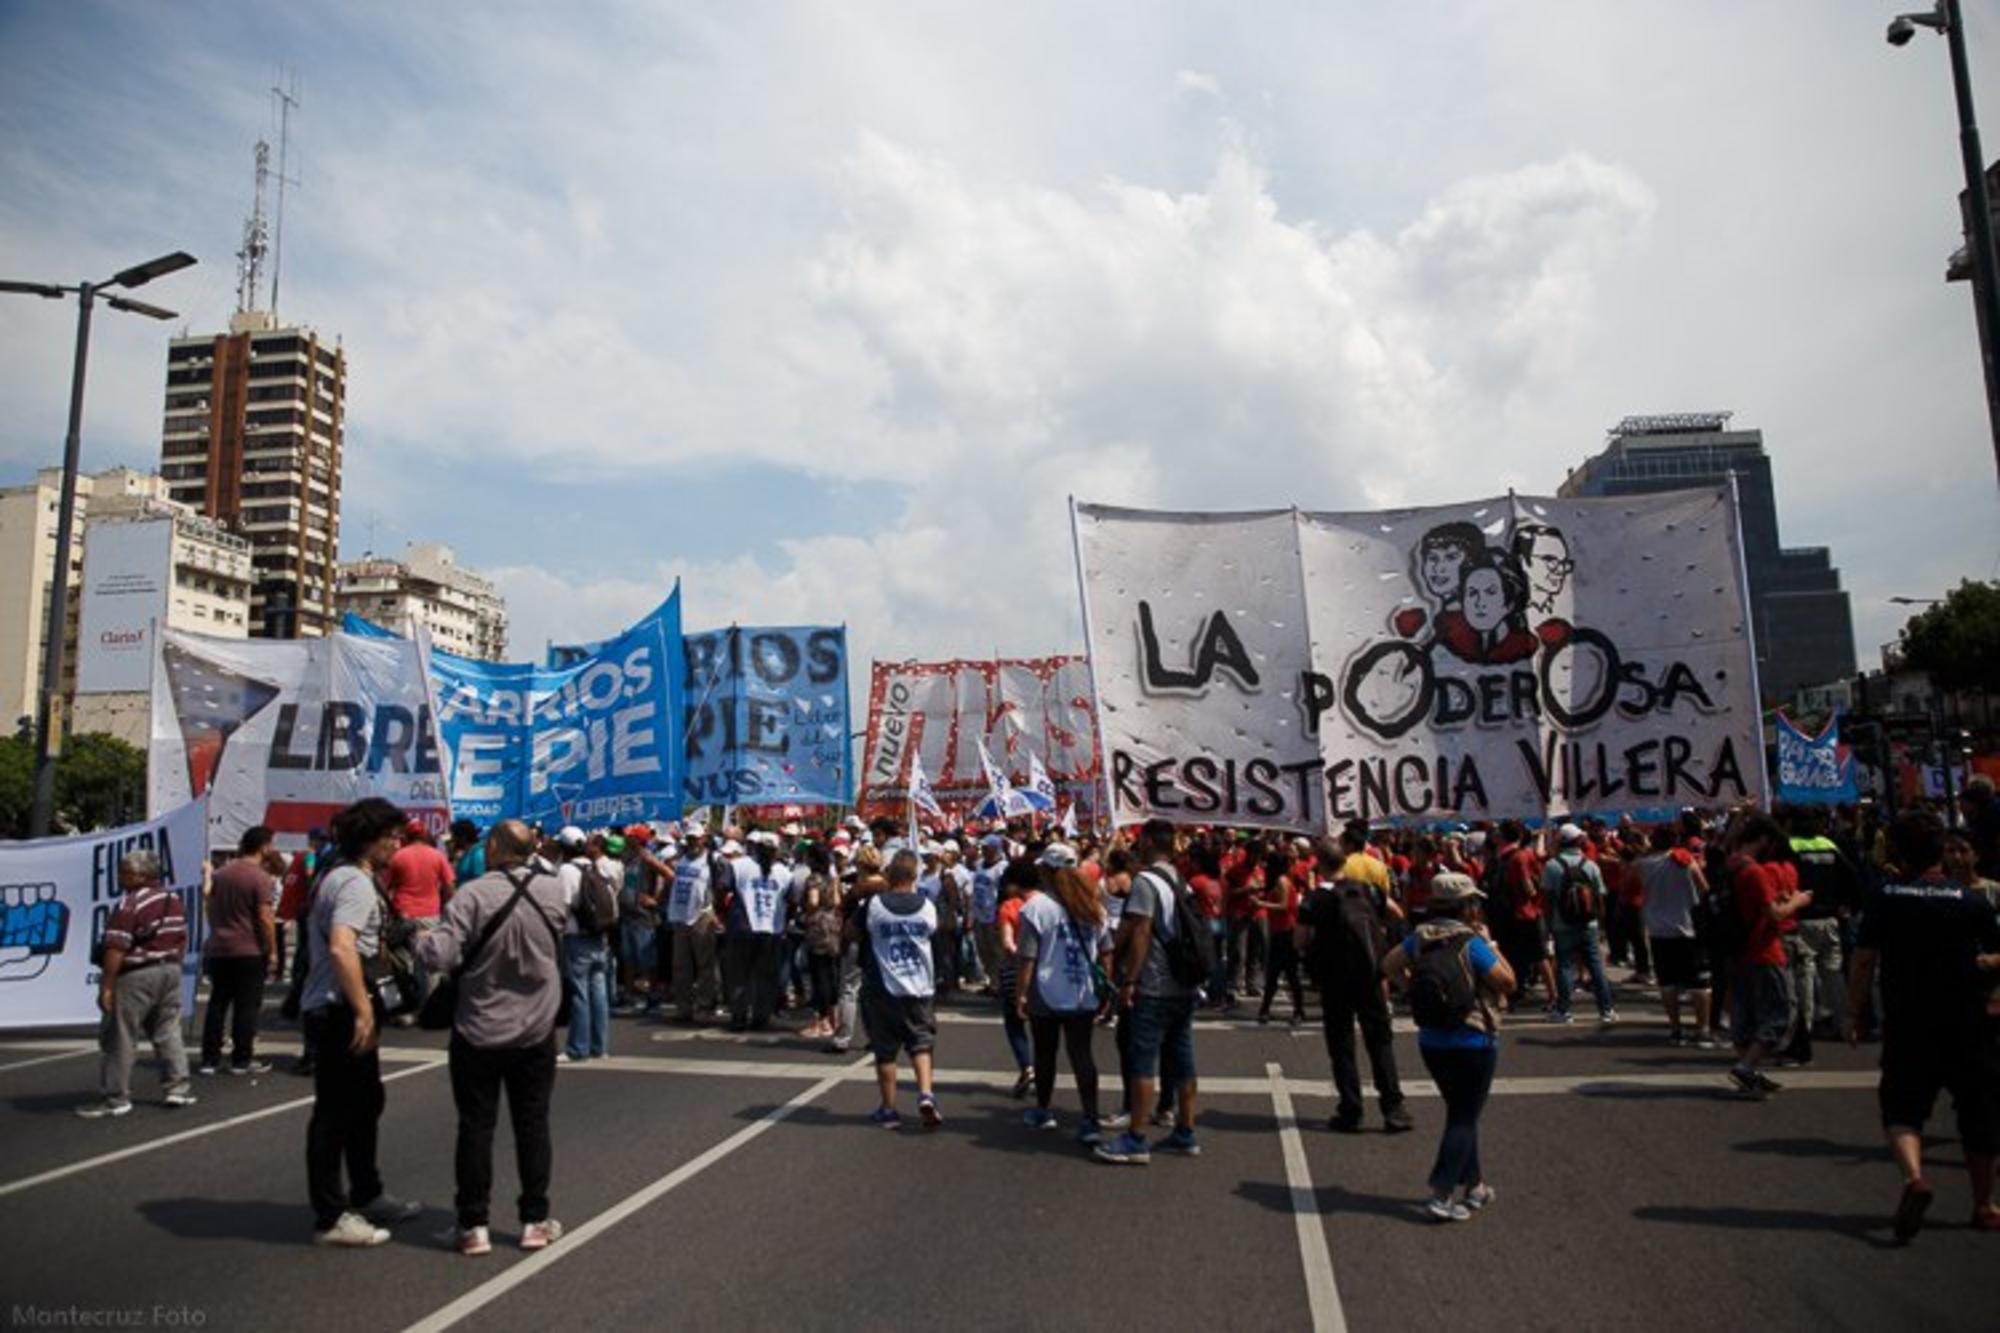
x,y
1280,901
1761,989
1249,926
419,878
1523,929
1204,881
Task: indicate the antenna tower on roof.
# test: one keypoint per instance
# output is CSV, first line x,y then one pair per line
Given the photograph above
x,y
287,99
256,239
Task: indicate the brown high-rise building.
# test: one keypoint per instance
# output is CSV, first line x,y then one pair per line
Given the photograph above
x,y
252,439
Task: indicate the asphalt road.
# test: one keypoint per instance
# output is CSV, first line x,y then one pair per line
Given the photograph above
x,y
719,1181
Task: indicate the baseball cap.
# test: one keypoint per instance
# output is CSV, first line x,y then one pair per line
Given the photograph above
x,y
615,845
1570,833
731,847
1449,886
571,836
1057,856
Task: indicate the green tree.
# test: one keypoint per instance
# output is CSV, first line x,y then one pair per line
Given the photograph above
x,y
17,785
1958,640
100,782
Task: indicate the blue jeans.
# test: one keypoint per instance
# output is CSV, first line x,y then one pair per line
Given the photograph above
x,y
1464,1077
588,962
1568,938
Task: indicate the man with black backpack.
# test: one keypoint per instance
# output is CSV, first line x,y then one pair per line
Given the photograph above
x,y
1573,887
1163,955
593,910
1345,936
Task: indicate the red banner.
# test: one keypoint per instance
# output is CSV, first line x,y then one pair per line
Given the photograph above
x,y
942,710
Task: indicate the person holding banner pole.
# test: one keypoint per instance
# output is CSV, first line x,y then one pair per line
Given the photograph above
x,y
139,992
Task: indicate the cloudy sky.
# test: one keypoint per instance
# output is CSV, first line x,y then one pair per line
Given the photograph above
x,y
825,309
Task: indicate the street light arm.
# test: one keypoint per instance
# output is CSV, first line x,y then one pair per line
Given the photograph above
x,y
131,306
141,274
44,289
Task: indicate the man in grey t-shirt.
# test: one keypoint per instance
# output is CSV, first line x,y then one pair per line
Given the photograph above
x,y
346,897
1157,1008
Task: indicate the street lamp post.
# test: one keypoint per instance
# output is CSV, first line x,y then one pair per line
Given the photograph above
x,y
1947,19
87,294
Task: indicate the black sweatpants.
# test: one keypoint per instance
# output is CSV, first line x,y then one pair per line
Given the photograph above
x,y
347,1110
235,997
1073,1031
478,1074
1360,1002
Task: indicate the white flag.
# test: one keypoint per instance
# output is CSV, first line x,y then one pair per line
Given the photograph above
x,y
996,779
1069,822
921,796
1039,779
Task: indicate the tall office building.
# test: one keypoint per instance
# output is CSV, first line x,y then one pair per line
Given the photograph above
x,y
254,425
1804,625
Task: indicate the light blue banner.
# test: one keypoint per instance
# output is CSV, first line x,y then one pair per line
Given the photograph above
x,y
595,743
767,716
1814,770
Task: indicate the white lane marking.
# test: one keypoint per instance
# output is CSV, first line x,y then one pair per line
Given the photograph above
x,y
1322,1293
49,1044
46,1059
199,1131
499,1285
1715,1080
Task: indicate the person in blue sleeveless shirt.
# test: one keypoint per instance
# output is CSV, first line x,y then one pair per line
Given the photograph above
x,y
1461,1052
894,928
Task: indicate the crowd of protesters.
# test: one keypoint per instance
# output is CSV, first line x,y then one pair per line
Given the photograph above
x,y
1764,932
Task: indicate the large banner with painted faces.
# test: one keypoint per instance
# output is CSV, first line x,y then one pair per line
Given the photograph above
x,y
284,732
941,711
595,742
1526,657
767,719
56,898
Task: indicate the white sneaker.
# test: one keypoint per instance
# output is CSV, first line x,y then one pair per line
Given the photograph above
x,y
1478,1196
541,1235
352,1231
105,1109
472,1241
179,1097
1447,1210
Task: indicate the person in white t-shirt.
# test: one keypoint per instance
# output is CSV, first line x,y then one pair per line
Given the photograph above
x,y
893,928
1063,948
756,923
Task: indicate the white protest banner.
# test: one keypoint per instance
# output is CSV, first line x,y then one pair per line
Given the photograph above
x,y
285,732
56,896
1529,657
1197,628
1016,707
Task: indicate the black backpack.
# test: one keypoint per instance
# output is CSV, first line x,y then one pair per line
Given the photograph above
x,y
1443,992
1362,936
596,902
1190,950
1721,923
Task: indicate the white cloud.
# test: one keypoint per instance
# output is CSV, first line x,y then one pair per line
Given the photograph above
x,y
1194,81
984,348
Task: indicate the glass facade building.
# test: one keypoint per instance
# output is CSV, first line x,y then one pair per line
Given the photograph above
x,y
1804,624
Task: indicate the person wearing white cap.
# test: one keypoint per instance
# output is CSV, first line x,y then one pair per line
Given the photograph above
x,y
586,955
699,876
756,922
1573,887
1456,981
1064,947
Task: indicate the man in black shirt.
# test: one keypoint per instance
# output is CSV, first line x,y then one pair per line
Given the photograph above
x,y
1937,945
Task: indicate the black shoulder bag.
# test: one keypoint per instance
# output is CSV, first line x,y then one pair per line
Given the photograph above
x,y
441,1005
